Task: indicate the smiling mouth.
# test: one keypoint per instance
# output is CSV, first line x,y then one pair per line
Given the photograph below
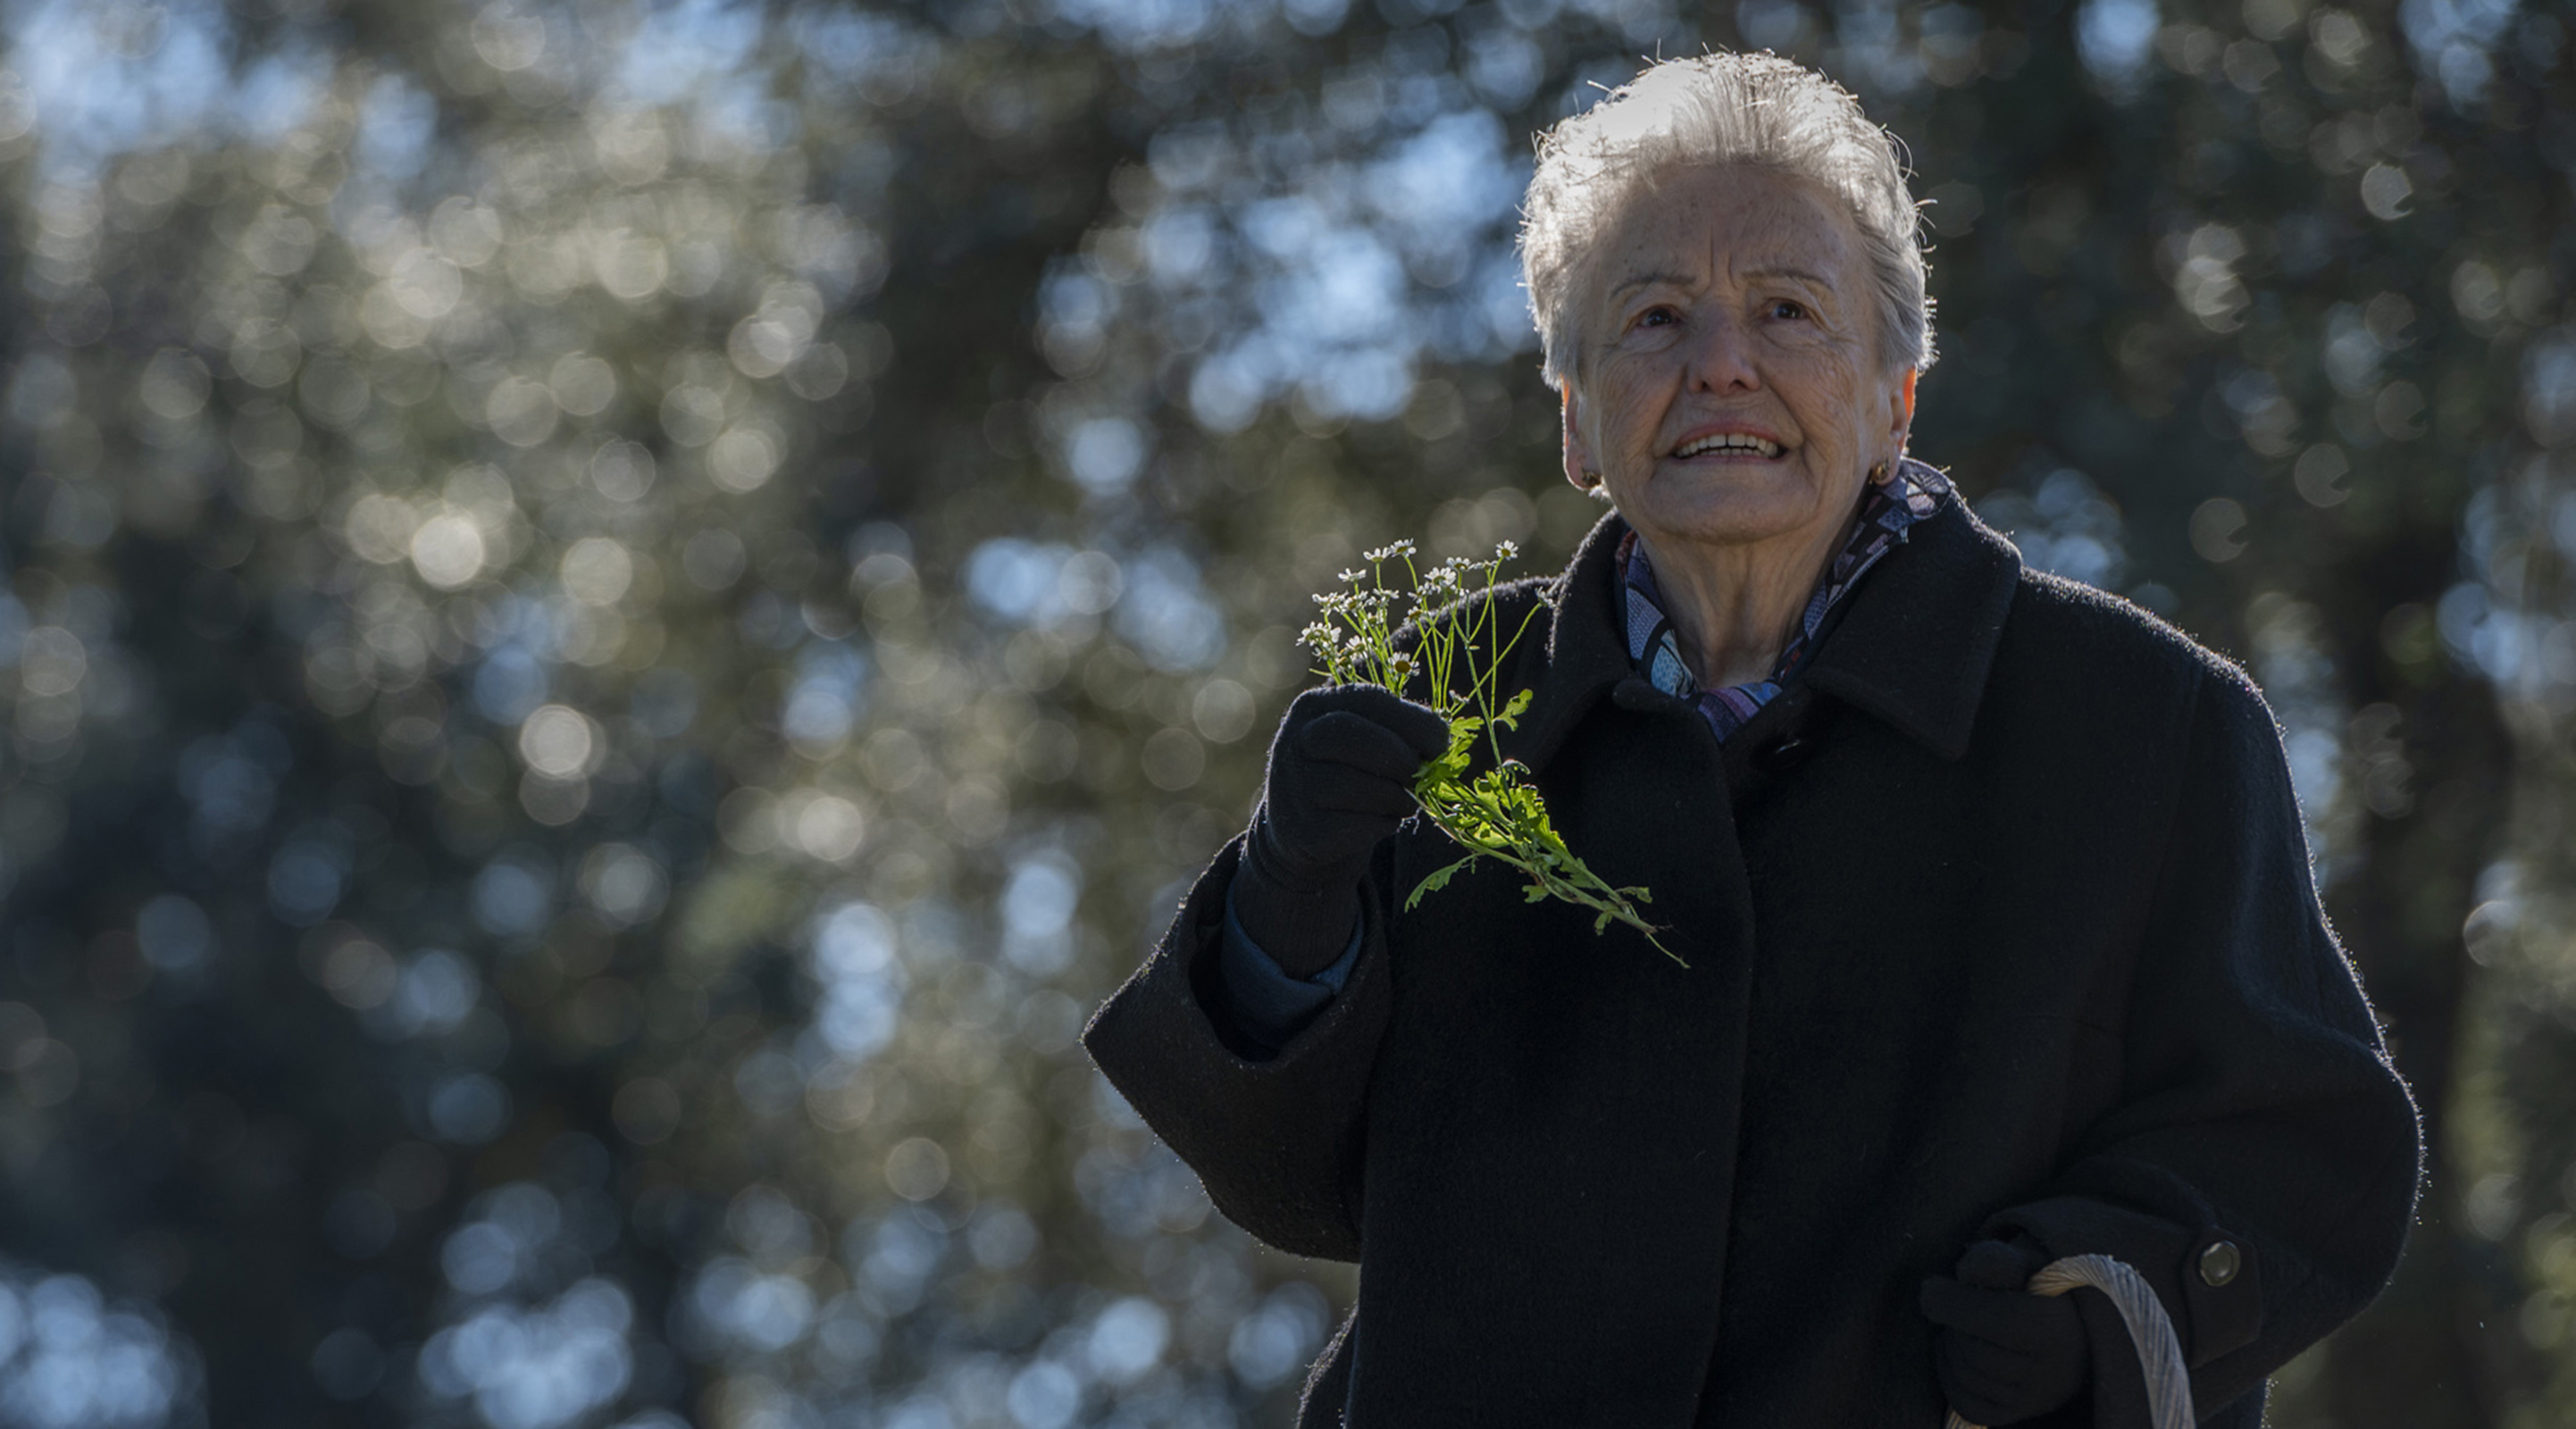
x,y
1730,444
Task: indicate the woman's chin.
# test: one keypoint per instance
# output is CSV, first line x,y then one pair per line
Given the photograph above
x,y
1723,508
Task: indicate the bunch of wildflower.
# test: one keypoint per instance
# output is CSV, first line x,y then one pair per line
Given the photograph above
x,y
1453,662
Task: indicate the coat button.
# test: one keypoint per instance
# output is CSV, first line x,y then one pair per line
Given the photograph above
x,y
2220,1262
1783,752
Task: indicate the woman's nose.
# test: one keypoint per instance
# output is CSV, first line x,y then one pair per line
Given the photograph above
x,y
1722,359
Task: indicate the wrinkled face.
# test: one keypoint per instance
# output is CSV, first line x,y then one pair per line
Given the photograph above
x,y
1727,386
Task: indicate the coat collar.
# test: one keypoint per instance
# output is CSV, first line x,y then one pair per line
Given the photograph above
x,y
1913,649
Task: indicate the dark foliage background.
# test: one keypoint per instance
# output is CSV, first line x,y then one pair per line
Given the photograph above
x,y
618,614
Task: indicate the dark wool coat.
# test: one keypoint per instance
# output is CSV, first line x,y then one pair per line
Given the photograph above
x,y
1999,918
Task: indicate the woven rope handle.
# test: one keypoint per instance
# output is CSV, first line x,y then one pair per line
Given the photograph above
x,y
2159,1352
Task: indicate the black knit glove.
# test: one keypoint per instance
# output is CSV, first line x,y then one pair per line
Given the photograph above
x,y
2004,1355
1341,778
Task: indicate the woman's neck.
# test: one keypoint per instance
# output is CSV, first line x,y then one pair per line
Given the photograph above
x,y
1735,606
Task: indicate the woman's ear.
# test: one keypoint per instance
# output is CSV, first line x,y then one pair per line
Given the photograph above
x,y
1579,466
1900,410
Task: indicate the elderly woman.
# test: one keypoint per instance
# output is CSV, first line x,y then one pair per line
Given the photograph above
x,y
2000,935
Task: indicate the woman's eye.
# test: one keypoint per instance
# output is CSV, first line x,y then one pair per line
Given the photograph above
x,y
1788,309
1657,317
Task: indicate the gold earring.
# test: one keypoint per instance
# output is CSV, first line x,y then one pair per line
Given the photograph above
x,y
1878,475
1591,479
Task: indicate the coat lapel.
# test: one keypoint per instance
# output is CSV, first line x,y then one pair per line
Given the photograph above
x,y
1916,646
1586,653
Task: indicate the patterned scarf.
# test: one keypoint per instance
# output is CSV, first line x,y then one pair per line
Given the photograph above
x,y
1886,513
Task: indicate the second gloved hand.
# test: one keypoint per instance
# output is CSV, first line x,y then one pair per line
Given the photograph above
x,y
1341,778
2004,1355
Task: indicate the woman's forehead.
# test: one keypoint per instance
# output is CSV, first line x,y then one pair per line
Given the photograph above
x,y
1734,222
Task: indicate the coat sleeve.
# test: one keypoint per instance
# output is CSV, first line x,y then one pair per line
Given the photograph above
x,y
1276,1139
2260,1170
1264,1004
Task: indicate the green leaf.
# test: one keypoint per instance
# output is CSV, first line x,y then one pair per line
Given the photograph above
x,y
1435,882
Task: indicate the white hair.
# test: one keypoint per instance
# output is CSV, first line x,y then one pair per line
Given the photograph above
x,y
1721,109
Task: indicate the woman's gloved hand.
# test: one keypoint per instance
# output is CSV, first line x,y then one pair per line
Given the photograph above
x,y
1341,778
2003,1354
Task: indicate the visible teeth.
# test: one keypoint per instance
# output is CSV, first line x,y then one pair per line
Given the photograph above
x,y
1730,441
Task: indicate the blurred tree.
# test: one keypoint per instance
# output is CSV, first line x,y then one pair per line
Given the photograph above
x,y
620,614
